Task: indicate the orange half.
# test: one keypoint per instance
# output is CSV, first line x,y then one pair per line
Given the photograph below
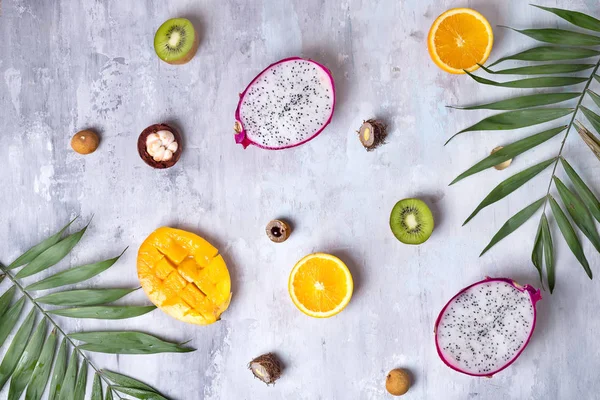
x,y
459,39
320,285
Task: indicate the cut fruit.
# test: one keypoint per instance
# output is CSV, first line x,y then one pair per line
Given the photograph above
x,y
320,285
184,276
176,41
411,221
287,104
486,326
459,39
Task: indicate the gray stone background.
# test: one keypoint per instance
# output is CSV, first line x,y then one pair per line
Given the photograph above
x,y
69,65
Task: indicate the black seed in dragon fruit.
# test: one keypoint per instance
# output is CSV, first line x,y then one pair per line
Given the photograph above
x,y
486,326
287,104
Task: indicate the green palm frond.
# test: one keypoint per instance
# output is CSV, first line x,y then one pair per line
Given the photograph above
x,y
581,205
30,365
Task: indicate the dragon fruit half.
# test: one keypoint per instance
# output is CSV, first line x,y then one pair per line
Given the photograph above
x,y
486,326
287,104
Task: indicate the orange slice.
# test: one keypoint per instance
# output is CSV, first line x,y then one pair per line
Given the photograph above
x,y
320,285
459,39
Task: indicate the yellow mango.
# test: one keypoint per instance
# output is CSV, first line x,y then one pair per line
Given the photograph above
x,y
184,276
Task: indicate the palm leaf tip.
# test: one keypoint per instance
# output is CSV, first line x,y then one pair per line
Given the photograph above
x,y
570,236
574,17
514,223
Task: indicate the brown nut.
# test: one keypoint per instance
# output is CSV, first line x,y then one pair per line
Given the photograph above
x,y
372,134
159,145
267,368
397,382
85,142
278,231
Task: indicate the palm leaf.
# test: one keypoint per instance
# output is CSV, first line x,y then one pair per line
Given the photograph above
x,y
548,252
104,312
514,223
17,346
24,370
84,297
510,151
561,37
59,371
126,342
578,212
126,381
74,275
595,96
52,255
518,103
576,18
9,319
42,370
96,388
550,53
582,190
81,383
6,298
509,185
39,248
570,236
592,117
532,83
109,395
139,393
538,251
545,69
68,385
516,119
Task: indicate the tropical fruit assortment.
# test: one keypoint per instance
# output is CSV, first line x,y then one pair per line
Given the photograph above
x,y
184,275
486,326
287,104
479,332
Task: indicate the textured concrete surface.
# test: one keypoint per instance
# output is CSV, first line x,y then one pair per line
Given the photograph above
x,y
69,65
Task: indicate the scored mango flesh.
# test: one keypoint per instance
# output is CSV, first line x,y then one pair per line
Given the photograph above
x,y
184,276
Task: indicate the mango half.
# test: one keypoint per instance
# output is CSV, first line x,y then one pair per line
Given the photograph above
x,y
184,276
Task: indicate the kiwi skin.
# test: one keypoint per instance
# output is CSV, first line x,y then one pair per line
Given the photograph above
x,y
415,209
189,55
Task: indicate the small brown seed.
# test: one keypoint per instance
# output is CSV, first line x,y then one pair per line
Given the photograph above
x,y
372,134
278,231
267,368
503,165
85,142
397,382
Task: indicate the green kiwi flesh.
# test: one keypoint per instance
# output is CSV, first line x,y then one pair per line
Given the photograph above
x,y
175,41
411,221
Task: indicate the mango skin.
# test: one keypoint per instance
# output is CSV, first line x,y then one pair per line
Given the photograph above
x,y
184,276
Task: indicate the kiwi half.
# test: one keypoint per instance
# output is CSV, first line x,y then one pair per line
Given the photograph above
x,y
411,221
176,41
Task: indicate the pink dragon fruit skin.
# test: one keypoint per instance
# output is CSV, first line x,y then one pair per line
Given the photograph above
x,y
534,296
243,137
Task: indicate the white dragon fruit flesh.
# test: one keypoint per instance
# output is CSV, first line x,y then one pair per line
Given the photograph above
x,y
287,104
486,326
